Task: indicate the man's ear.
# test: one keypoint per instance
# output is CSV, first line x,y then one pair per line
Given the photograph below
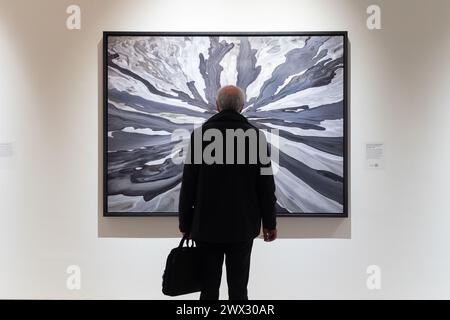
x,y
217,107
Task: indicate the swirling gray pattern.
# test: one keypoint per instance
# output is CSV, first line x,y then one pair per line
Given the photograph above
x,y
157,84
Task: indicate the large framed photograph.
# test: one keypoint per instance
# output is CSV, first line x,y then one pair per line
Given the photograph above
x,y
156,83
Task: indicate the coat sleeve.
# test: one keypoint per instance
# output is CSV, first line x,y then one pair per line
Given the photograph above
x,y
188,192
266,191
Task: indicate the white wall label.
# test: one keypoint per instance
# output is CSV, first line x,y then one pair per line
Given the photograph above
x,y
374,155
6,150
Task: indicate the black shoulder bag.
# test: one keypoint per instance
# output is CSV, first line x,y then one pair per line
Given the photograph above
x,y
182,274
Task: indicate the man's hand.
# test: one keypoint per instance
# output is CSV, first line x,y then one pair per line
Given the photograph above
x,y
269,235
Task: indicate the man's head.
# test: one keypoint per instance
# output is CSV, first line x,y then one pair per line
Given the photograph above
x,y
230,98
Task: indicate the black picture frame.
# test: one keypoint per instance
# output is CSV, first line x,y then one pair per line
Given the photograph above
x,y
344,34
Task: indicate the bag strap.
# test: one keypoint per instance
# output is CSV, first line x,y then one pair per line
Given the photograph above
x,y
185,238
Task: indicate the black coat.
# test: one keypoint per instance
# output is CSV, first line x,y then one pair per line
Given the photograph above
x,y
226,202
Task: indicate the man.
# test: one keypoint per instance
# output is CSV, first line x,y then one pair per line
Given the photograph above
x,y
222,202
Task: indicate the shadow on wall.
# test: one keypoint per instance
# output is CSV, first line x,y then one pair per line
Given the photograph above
x,y
167,227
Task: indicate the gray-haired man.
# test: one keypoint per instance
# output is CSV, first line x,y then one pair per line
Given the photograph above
x,y
223,202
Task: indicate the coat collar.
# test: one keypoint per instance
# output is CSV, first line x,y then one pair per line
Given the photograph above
x,y
227,115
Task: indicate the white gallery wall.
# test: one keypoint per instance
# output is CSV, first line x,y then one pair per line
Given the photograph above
x,y
51,168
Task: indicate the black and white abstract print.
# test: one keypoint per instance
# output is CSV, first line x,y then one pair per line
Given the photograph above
x,y
157,84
